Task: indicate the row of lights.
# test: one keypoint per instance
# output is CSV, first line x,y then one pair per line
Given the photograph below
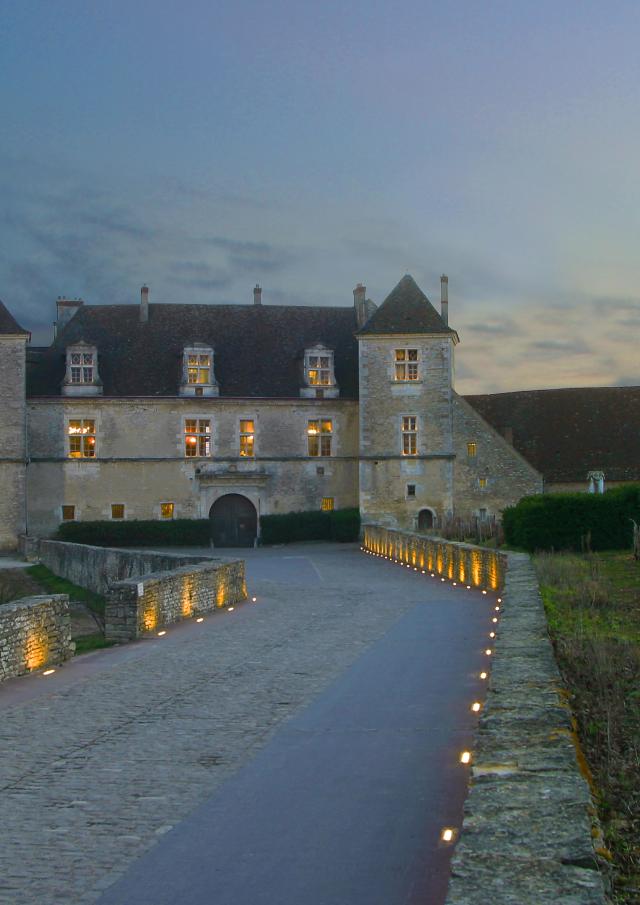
x,y
162,632
448,833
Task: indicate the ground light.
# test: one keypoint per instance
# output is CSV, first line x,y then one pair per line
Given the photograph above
x,y
447,834
488,652
483,675
48,672
465,757
476,706
254,600
160,634
230,609
200,619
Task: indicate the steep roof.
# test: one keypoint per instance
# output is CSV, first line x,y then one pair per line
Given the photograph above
x,y
406,310
258,349
566,433
9,326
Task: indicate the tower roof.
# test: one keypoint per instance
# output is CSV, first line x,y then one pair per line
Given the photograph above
x,y
406,310
9,326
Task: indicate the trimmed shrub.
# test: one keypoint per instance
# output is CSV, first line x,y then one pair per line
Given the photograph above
x,y
165,533
340,525
573,521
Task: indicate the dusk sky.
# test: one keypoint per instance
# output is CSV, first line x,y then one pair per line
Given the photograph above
x,y
202,147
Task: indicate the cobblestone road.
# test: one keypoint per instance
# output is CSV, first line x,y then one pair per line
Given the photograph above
x,y
94,771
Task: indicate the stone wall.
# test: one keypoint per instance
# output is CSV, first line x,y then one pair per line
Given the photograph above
x,y
135,607
97,568
527,834
12,439
34,632
463,563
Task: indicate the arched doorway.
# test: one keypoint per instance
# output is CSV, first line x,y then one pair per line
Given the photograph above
x,y
234,521
425,519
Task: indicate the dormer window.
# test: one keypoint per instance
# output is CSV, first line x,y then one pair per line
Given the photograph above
x,y
319,378
197,372
81,374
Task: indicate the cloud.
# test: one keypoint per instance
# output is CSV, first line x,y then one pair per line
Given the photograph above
x,y
260,257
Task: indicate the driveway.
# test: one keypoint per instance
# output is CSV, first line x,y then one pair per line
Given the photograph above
x,y
302,748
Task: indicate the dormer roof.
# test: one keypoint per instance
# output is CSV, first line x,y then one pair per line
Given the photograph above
x,y
406,310
9,326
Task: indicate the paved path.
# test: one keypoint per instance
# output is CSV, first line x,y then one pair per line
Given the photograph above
x,y
303,748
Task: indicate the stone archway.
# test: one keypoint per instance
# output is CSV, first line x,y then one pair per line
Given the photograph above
x,y
234,521
426,519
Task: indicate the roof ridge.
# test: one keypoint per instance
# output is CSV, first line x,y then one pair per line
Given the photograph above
x,y
406,310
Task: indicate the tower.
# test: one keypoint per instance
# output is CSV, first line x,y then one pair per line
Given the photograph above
x,y
13,432
406,444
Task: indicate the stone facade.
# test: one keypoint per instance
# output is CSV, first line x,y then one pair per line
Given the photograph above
x,y
35,632
137,607
13,439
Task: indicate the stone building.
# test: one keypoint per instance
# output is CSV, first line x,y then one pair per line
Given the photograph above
x,y
229,412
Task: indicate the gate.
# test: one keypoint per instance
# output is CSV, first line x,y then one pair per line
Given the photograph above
x,y
234,521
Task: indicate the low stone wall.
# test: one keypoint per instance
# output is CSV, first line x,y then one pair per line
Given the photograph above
x,y
96,568
528,819
137,606
34,632
478,567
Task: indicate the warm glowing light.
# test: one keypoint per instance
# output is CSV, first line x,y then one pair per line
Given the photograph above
x,y
254,600
499,599
468,587
200,619
497,609
433,575
454,584
483,675
465,757
442,579
495,619
48,672
230,609
492,634
447,834
488,652
475,706
160,634
423,572
484,592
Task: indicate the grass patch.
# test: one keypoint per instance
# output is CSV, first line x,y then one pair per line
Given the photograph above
x,y
53,584
593,611
86,643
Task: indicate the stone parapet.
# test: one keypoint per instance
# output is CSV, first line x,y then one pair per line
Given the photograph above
x,y
138,606
477,567
34,632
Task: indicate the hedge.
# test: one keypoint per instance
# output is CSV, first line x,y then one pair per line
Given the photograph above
x,y
573,521
169,533
340,525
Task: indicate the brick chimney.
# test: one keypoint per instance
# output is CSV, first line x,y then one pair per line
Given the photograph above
x,y
359,303
444,298
144,304
257,295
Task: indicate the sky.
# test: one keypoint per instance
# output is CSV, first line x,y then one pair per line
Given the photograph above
x,y
205,146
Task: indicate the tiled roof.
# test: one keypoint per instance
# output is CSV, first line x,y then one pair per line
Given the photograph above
x,y
406,310
258,349
566,433
9,325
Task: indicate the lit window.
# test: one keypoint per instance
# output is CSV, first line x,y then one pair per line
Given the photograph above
x,y
318,364
166,510
82,367
406,364
197,437
198,368
472,449
409,435
483,483
117,510
68,513
247,439
411,489
327,504
82,439
319,433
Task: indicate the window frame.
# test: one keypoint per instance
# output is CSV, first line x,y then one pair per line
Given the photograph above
x,y
327,504
319,438
406,369
72,517
167,518
409,435
472,449
84,437
247,438
319,352
202,436
118,518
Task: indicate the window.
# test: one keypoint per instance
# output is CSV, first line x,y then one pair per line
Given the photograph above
x,y
409,435
472,449
406,363
197,437
82,367
166,510
247,438
327,504
411,489
319,433
82,439
320,469
483,483
68,513
482,515
319,370
198,368
117,510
